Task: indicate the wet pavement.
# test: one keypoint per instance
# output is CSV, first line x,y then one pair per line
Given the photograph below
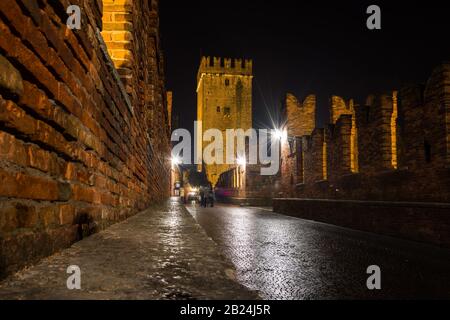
x,y
161,253
291,258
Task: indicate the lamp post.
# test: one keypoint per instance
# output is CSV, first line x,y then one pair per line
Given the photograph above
x,y
241,161
281,135
175,162
241,168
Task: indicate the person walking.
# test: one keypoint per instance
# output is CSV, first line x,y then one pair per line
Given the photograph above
x,y
211,197
202,198
183,195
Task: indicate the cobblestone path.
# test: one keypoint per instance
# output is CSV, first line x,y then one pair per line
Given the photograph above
x,y
289,258
161,253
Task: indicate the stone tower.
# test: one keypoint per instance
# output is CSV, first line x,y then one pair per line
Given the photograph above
x,y
224,101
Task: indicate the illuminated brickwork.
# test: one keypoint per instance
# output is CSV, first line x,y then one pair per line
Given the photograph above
x,y
394,147
84,130
394,118
246,182
338,108
170,108
224,101
314,154
377,123
300,122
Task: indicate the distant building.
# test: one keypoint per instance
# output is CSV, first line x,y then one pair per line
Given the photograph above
x,y
224,101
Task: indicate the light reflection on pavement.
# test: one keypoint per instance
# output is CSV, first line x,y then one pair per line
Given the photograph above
x,y
290,258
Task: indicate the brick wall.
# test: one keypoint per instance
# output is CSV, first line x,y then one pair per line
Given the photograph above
x,y
300,122
394,147
374,122
314,163
246,183
339,147
301,115
83,125
338,108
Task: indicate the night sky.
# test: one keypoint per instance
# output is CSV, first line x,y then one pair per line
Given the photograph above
x,y
303,47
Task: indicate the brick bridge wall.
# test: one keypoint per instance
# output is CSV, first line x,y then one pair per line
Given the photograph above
x,y
247,183
302,120
395,147
84,133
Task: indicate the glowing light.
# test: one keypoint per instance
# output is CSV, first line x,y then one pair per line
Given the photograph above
x,y
241,161
175,161
281,134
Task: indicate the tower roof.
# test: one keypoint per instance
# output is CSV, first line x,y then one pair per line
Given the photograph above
x,y
219,65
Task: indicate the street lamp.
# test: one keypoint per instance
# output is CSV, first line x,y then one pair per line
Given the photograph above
x,y
281,134
175,161
241,161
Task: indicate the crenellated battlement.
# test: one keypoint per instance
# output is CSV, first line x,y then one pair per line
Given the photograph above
x,y
301,115
219,65
339,106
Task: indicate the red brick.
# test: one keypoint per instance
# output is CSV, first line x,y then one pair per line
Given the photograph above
x,y
72,144
21,185
12,149
42,160
66,214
